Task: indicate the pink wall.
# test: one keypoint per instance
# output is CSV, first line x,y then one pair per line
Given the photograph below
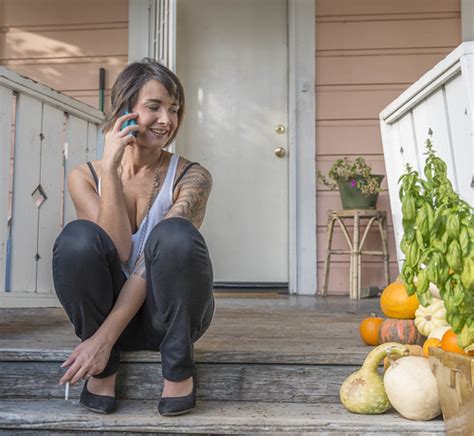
x,y
63,43
367,53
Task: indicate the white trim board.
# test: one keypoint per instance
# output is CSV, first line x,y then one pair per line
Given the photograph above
x,y
302,133
467,20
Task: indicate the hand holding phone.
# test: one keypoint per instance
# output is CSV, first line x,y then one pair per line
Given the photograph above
x,y
131,122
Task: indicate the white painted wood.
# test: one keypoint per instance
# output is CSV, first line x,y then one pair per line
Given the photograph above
x,y
49,223
76,142
232,59
39,110
6,117
302,140
28,299
138,29
467,20
92,140
26,177
443,101
11,79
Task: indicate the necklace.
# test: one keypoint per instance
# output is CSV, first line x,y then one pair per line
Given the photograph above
x,y
154,190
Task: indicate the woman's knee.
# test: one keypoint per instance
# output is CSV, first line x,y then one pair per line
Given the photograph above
x,y
77,240
175,238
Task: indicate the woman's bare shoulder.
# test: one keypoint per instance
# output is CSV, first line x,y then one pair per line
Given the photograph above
x,y
82,173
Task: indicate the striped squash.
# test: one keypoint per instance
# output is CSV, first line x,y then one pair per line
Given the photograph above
x,y
402,331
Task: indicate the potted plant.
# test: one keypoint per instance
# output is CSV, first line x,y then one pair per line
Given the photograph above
x,y
358,187
438,243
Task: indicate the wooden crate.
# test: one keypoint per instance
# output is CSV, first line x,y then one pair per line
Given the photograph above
x,y
454,375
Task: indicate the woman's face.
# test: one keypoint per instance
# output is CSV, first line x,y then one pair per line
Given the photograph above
x,y
157,115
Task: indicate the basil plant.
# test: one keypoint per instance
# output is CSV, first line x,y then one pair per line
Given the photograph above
x,y
438,243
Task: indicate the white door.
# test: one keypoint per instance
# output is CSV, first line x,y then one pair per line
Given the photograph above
x,y
232,60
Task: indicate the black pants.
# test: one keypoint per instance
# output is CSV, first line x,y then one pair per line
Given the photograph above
x,y
179,303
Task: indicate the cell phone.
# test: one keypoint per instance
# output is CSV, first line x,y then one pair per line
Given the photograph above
x,y
131,122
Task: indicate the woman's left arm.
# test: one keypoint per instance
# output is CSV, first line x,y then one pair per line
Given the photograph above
x,y
91,356
193,192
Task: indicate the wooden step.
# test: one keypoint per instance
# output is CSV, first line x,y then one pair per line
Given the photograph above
x,y
25,374
209,417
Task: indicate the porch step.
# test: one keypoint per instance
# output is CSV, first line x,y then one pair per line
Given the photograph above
x,y
27,375
210,417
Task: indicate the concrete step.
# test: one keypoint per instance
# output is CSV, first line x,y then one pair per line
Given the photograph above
x,y
27,374
209,417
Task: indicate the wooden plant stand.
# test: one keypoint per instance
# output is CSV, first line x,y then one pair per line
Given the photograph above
x,y
356,244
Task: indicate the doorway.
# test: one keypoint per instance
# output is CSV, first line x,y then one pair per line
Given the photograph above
x,y
232,57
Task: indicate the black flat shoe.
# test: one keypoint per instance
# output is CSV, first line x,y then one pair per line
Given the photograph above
x,y
173,406
97,403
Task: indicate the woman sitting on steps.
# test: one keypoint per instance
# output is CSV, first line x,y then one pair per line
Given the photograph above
x,y
133,272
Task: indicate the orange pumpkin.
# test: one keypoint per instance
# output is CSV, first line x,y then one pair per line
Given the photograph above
x,y
431,342
396,303
449,342
402,331
369,330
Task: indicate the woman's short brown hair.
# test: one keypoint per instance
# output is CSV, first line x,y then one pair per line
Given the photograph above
x,y
129,82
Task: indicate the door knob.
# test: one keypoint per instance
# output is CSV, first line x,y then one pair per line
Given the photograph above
x,y
280,129
280,152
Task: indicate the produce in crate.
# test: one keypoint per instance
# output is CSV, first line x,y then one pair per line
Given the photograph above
x,y
431,342
369,329
438,332
430,317
438,244
449,342
402,331
396,303
363,391
411,388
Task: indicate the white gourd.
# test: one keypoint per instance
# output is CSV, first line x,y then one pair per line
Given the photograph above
x,y
411,388
439,332
430,317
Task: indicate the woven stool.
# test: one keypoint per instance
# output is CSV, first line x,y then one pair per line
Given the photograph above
x,y
356,244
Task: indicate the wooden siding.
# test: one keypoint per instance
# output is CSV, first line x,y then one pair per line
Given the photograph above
x,y
367,53
64,43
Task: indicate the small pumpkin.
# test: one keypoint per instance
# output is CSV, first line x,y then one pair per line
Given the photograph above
x,y
402,331
449,342
438,332
396,303
430,317
369,329
431,342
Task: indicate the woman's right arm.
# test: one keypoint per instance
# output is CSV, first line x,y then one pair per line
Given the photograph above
x,y
107,210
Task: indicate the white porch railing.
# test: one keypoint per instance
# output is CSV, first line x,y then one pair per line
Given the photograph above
x,y
43,135
443,101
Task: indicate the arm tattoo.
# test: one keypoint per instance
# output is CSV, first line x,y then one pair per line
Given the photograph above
x,y
139,269
194,190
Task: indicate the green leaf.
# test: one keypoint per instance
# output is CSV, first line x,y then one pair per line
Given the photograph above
x,y
453,255
464,241
423,282
419,239
425,298
467,275
408,208
452,225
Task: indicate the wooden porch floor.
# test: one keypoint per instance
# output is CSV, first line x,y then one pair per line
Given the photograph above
x,y
269,364
274,329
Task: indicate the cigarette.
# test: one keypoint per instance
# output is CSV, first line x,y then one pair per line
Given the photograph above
x,y
66,392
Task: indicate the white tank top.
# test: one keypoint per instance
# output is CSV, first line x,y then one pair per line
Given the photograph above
x,y
160,207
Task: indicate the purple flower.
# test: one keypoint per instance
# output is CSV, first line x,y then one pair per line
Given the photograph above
x,y
353,183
